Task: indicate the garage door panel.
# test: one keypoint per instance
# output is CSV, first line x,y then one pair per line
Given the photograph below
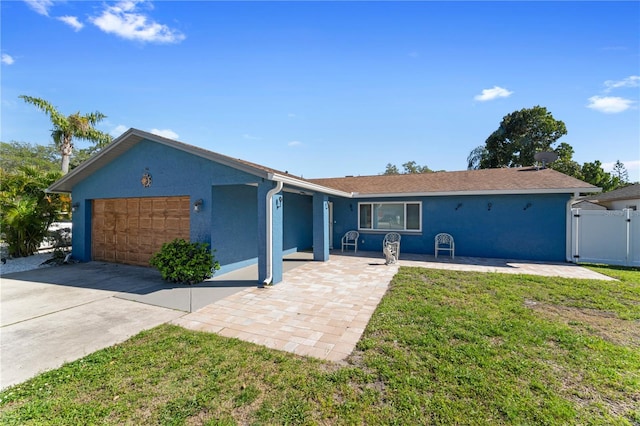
x,y
133,204
158,224
120,206
130,230
172,224
133,223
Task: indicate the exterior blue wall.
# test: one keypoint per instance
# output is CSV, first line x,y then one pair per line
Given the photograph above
x,y
174,172
297,222
507,230
232,219
234,225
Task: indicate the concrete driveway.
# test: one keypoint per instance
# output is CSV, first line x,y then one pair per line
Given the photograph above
x,y
50,316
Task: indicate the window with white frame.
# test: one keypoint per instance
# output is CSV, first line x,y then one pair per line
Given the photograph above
x,y
390,216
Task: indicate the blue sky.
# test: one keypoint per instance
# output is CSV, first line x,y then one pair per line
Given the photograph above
x,y
325,89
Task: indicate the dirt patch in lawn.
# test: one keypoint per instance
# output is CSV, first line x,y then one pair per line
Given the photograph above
x,y
603,324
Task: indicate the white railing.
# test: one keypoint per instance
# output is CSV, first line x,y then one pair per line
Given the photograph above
x,y
611,237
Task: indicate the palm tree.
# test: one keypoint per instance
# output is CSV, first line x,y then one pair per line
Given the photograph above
x,y
65,128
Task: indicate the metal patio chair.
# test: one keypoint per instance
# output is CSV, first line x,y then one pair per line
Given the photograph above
x,y
392,237
350,239
444,241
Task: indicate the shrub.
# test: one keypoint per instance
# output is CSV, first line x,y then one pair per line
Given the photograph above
x,y
26,209
180,261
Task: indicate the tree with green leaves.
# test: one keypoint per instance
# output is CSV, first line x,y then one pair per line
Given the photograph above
x,y
409,167
68,127
565,163
15,154
26,209
620,171
391,169
595,175
519,137
590,172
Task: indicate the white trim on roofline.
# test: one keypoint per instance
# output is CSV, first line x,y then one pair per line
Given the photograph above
x,y
308,185
478,192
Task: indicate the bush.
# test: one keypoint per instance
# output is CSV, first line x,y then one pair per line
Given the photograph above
x,y
180,261
26,209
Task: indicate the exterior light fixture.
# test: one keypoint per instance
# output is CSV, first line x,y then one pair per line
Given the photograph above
x,y
197,206
489,206
279,202
75,206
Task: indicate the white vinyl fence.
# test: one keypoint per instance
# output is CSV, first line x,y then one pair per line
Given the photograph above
x,y
606,236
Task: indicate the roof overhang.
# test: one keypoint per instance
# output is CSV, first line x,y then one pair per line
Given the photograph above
x,y
302,184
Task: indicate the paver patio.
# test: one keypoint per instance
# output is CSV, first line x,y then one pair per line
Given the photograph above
x,y
321,309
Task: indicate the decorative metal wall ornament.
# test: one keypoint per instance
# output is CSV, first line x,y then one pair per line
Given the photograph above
x,y
146,179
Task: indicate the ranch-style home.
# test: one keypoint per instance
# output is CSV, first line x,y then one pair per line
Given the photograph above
x,y
143,190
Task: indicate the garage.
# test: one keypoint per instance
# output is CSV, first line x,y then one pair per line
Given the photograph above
x,y
130,230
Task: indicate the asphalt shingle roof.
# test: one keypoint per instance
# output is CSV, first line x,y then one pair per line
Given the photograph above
x,y
508,180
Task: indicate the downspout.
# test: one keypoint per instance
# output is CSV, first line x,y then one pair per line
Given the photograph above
x,y
569,239
270,194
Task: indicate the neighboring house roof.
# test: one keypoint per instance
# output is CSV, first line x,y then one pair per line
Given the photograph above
x,y
469,182
629,192
587,205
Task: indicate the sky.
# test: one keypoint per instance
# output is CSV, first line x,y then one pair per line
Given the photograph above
x,y
328,89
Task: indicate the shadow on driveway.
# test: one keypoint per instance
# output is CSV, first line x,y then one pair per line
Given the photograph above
x,y
135,283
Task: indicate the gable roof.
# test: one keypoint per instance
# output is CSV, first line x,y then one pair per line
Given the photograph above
x,y
468,182
133,136
629,192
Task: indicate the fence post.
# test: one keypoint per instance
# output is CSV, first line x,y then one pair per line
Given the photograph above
x,y
575,231
627,214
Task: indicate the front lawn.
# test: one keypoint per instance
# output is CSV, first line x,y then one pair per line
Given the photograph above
x,y
443,347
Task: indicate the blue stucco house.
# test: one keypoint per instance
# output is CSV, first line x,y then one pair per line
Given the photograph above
x,y
143,190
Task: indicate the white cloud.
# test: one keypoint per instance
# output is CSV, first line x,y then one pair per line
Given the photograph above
x,y
40,6
631,81
7,59
125,21
294,143
72,21
165,133
120,129
493,93
250,137
609,104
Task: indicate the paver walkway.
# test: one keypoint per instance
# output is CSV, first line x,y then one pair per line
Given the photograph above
x,y
321,309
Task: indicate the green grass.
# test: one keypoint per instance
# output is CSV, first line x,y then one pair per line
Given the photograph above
x,y
443,347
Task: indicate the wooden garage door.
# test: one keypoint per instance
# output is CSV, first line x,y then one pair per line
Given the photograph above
x,y
130,230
